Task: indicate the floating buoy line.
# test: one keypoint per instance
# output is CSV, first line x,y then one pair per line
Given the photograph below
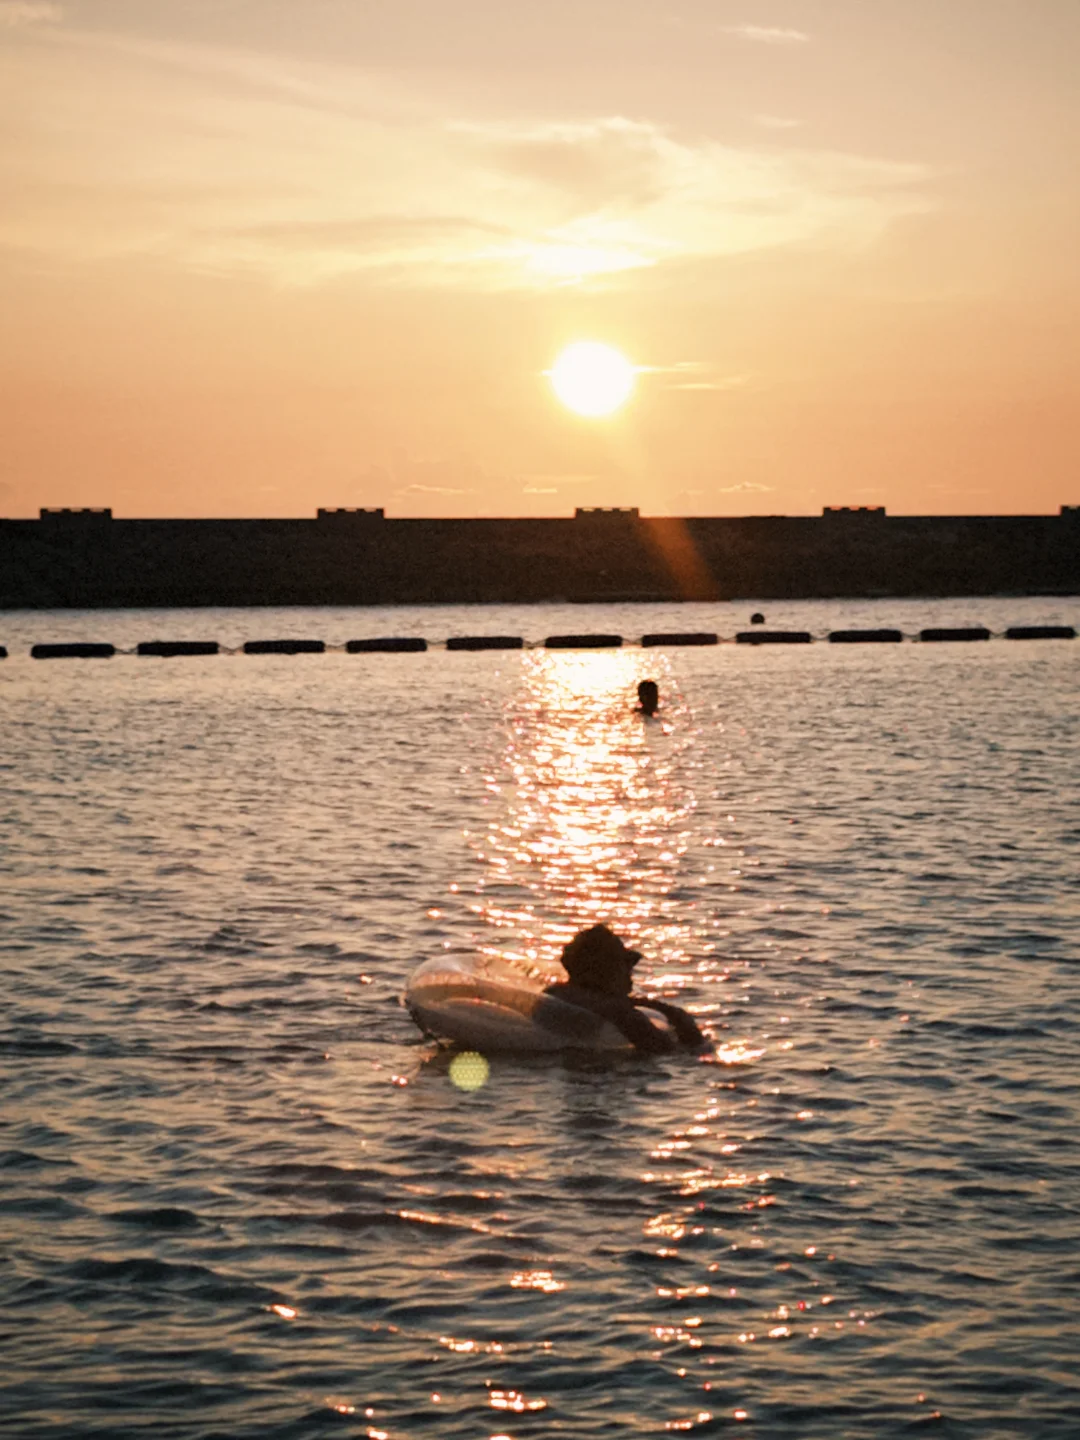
x,y
413,644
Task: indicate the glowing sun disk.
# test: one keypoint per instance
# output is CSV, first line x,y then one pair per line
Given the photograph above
x,y
592,379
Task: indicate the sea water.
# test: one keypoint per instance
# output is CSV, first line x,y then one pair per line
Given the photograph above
x,y
241,1196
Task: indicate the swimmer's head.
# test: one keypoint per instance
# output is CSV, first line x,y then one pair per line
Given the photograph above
x,y
648,694
596,959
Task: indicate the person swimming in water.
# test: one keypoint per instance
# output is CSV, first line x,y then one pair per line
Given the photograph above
x,y
648,694
599,966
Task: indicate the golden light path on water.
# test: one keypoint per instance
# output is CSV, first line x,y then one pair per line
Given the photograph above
x,y
595,818
594,814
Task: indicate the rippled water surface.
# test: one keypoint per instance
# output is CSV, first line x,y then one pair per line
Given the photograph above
x,y
240,1195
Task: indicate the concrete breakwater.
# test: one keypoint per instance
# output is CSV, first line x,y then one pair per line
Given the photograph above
x,y
88,559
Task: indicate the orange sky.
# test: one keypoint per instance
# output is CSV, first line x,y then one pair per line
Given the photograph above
x,y
258,256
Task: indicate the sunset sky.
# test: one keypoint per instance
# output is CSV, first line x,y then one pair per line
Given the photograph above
x,y
258,256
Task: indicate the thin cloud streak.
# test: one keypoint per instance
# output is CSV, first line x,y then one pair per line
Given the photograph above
x,y
544,484
777,122
768,34
695,375
15,14
431,490
702,385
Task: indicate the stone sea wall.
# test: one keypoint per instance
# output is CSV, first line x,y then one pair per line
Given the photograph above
x,y
84,559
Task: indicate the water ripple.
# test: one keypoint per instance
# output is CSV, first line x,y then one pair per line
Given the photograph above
x,y
242,1197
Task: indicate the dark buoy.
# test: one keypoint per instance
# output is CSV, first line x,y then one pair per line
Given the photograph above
x,y
677,637
284,647
969,632
485,642
583,642
757,618
79,650
1040,632
388,645
165,649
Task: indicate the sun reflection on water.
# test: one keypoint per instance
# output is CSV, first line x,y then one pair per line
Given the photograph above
x,y
594,818
595,813
514,1400
537,1280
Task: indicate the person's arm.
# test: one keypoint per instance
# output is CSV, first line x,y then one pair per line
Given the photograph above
x,y
641,1033
685,1026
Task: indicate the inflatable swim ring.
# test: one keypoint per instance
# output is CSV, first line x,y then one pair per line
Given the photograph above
x,y
490,1004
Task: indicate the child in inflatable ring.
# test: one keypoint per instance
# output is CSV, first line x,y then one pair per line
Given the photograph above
x,y
599,966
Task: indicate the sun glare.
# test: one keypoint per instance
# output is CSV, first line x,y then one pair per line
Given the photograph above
x,y
592,379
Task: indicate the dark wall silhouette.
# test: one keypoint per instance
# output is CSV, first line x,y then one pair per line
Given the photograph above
x,y
87,559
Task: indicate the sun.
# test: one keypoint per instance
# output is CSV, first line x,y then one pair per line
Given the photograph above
x,y
592,379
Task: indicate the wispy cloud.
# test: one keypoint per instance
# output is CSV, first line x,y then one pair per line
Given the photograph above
x,y
705,385
768,34
550,484
16,13
695,375
777,122
302,172
431,490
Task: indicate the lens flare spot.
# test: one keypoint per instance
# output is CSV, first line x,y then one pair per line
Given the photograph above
x,y
469,1070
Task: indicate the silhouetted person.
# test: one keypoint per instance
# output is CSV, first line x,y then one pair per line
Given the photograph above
x,y
757,618
599,966
648,694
